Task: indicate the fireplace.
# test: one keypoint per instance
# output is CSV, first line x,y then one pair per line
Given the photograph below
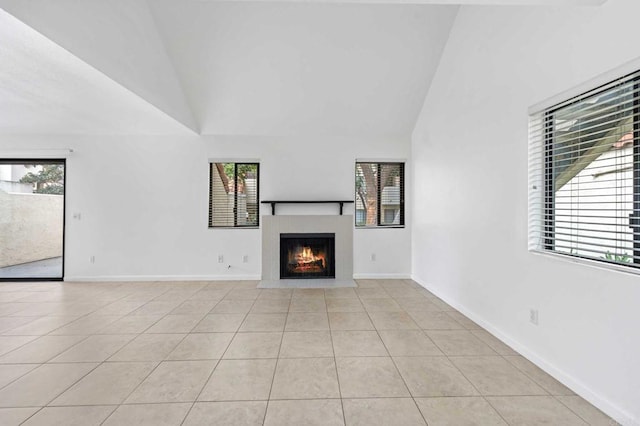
x,y
307,256
339,227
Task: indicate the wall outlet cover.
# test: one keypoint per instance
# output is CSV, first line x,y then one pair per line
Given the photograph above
x,y
533,316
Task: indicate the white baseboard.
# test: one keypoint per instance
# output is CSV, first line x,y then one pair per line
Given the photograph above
x,y
381,276
572,383
121,278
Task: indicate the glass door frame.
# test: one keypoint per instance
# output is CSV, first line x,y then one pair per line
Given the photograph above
x,y
62,161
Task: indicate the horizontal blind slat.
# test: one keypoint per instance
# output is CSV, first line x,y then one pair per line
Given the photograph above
x,y
234,195
583,198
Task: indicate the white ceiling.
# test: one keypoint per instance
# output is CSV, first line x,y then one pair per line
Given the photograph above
x,y
231,68
45,89
275,69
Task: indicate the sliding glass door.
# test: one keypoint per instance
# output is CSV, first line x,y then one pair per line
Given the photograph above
x,y
31,219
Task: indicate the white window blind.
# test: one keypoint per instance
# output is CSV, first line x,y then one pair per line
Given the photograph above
x,y
233,195
584,175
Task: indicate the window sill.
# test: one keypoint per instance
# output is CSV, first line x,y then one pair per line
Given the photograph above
x,y
586,262
381,227
234,227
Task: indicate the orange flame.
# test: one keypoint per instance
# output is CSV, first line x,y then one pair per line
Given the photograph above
x,y
306,256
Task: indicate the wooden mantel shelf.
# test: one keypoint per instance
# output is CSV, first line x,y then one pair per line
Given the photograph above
x,y
274,202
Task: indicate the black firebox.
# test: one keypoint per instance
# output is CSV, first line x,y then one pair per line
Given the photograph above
x,y
307,255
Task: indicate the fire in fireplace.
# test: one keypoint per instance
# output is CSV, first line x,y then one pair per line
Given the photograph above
x,y
307,256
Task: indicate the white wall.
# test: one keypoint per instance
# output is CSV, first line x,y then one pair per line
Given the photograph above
x,y
143,202
470,200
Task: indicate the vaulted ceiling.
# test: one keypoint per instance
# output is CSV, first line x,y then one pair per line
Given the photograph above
x,y
226,68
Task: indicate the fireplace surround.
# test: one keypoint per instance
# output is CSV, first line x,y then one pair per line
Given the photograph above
x,y
340,226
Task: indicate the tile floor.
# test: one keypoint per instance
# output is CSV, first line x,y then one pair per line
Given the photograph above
x,y
226,353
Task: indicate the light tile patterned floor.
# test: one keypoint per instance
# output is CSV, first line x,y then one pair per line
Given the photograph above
x,y
226,353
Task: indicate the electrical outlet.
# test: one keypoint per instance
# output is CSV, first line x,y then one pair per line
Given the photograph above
x,y
373,257
92,259
533,316
245,259
220,258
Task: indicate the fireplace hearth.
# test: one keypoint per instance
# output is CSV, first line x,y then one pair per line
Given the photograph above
x,y
307,255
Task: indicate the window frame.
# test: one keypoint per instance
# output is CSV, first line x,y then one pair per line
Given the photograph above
x,y
379,209
236,163
41,161
547,226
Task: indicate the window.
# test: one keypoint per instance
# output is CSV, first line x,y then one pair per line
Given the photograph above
x,y
585,175
390,215
233,195
379,194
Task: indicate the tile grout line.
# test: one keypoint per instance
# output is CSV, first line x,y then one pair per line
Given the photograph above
x,y
275,369
396,366
448,358
76,319
484,397
460,371
530,377
71,385
159,362
193,404
64,390
335,359
77,300
22,375
577,414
